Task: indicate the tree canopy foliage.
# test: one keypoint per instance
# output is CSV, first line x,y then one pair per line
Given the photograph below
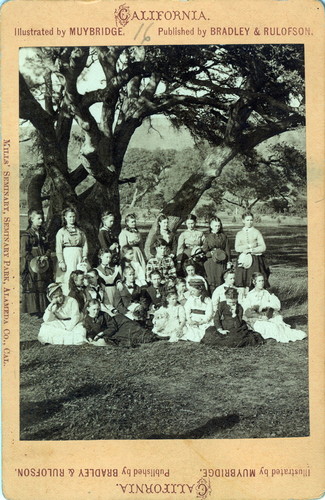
x,y
233,96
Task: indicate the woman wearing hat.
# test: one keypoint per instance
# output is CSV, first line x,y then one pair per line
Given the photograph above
x,y
188,240
216,248
71,248
61,318
35,272
250,245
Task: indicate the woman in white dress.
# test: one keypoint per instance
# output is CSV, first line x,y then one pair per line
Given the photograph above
x,y
62,321
198,312
262,311
71,248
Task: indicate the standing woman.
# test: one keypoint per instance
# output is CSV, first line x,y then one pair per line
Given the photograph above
x,y
131,236
250,245
163,232
34,254
216,248
108,239
189,239
71,248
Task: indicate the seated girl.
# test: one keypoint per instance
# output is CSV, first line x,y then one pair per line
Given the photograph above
x,y
161,262
155,290
77,288
95,289
198,311
118,328
129,288
61,318
182,291
262,310
110,273
230,330
190,273
219,293
128,260
169,320
95,321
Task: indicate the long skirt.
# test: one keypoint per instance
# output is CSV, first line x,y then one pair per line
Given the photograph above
x,y
72,257
214,271
138,257
53,332
243,277
34,287
276,328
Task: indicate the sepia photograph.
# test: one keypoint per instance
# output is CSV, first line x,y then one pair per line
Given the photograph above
x,y
163,242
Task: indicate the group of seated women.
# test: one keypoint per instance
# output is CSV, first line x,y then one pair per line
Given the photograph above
x,y
187,290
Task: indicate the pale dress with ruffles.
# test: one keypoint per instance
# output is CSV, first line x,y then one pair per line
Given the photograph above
x,y
63,327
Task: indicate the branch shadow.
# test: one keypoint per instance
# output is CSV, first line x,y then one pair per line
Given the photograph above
x,y
209,428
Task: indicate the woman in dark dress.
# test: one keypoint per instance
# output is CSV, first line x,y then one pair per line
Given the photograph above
x,y
230,330
164,233
216,248
34,281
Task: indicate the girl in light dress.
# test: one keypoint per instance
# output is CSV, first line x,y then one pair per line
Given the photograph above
x,y
198,311
188,240
62,319
262,310
182,291
131,236
169,320
250,241
71,248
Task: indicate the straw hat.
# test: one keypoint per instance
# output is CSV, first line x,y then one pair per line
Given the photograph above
x,y
39,266
245,260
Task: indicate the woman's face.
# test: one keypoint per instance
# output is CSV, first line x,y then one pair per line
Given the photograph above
x,y
190,270
161,252
93,310
163,224
57,297
155,280
190,224
92,278
108,221
70,218
248,221
106,258
196,292
131,223
37,221
172,300
181,287
230,280
79,279
129,255
215,226
259,283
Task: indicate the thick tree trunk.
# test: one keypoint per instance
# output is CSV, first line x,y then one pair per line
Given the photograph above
x,y
186,198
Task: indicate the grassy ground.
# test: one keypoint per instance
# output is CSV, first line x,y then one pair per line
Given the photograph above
x,y
182,390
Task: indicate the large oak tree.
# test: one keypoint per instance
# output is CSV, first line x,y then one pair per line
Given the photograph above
x,y
235,97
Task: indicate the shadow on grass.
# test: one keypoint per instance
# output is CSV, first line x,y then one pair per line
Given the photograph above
x,y
293,321
31,413
209,428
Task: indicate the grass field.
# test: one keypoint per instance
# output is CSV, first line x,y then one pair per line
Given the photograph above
x,y
182,390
